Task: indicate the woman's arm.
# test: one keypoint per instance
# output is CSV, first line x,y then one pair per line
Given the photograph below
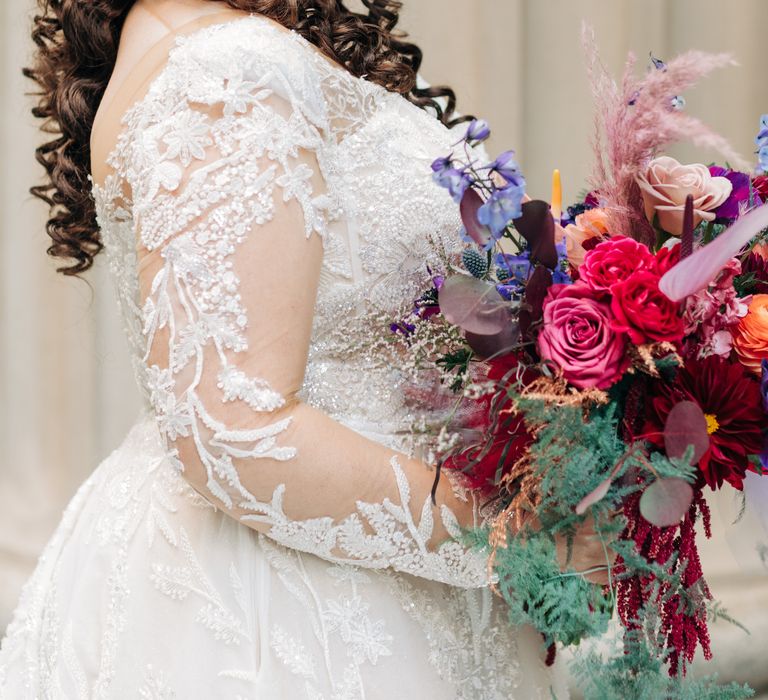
x,y
231,211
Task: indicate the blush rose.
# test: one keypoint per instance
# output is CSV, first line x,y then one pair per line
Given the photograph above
x,y
665,185
592,223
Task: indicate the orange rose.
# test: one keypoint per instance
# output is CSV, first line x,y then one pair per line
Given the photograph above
x,y
592,223
750,337
761,250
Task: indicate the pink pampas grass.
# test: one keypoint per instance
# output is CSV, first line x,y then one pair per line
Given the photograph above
x,y
635,120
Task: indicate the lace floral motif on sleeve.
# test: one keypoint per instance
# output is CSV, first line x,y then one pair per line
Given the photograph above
x,y
231,156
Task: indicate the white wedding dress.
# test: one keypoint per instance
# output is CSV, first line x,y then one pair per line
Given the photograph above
x,y
264,531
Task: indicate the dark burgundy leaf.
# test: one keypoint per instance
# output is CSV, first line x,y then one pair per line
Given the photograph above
x,y
470,203
685,426
666,501
535,292
537,226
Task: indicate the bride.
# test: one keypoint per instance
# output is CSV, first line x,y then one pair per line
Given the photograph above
x,y
257,172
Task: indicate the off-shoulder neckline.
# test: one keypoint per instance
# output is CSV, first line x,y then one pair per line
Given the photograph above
x,y
181,38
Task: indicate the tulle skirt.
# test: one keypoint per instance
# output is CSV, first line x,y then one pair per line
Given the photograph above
x,y
146,590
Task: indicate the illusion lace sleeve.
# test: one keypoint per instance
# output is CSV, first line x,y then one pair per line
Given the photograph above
x,y
231,207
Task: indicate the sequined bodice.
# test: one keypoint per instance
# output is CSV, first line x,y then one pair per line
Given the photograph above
x,y
383,221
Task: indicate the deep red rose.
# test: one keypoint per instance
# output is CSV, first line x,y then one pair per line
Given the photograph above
x,y
667,258
644,312
613,261
731,400
504,440
760,183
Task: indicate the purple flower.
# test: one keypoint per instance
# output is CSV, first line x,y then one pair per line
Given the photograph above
x,y
406,329
501,208
478,131
455,181
506,166
658,64
764,384
442,164
507,291
517,267
732,208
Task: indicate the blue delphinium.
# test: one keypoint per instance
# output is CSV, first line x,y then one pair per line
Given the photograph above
x,y
506,166
762,145
456,181
500,187
478,131
502,207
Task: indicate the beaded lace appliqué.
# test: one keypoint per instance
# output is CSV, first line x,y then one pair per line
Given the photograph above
x,y
197,210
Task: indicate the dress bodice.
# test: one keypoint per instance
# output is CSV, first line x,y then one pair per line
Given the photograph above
x,y
384,223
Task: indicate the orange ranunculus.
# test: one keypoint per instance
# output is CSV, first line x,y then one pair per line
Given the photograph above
x,y
592,223
750,337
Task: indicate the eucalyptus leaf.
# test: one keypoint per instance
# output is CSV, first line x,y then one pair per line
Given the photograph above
x,y
666,501
488,346
474,305
686,426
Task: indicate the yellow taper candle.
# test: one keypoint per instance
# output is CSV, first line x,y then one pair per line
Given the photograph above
x,y
557,196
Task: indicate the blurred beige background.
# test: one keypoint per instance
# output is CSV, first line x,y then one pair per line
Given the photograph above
x,y
66,390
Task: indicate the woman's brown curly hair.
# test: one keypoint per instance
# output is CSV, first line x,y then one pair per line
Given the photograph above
x,y
77,42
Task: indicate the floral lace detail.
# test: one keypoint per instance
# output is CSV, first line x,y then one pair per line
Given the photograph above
x,y
147,572
199,216
476,654
345,618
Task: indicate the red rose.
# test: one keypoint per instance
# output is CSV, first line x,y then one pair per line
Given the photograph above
x,y
667,258
613,261
760,183
645,313
502,440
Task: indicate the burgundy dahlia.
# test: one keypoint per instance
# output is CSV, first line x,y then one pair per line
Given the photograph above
x,y
732,403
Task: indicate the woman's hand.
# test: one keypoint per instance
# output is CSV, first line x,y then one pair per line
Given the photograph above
x,y
588,553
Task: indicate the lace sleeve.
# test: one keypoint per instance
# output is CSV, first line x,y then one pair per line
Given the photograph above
x,y
231,207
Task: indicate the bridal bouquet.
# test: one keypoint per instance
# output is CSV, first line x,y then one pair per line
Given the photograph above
x,y
608,364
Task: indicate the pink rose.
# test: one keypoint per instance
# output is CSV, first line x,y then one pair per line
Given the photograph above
x,y
577,337
666,184
613,261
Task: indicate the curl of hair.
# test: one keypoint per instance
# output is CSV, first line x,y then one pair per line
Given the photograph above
x,y
76,48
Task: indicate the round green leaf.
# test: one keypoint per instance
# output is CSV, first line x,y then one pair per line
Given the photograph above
x,y
666,501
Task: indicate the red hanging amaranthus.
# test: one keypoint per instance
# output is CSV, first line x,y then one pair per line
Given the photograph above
x,y
683,626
